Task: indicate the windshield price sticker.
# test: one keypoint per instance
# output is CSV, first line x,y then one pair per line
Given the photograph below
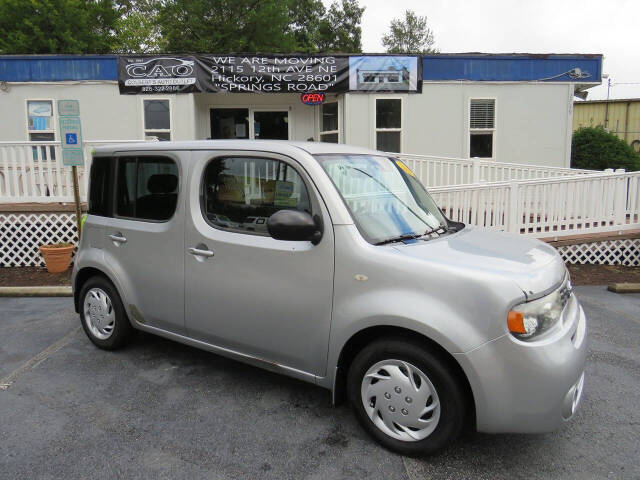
x,y
404,168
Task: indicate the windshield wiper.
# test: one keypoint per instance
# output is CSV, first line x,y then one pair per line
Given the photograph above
x,y
438,229
413,236
400,238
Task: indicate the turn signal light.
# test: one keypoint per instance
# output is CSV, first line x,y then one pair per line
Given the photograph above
x,y
515,322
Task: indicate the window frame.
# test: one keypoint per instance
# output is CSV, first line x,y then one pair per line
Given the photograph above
x,y
110,188
250,111
375,121
54,119
300,171
169,130
320,121
114,188
493,130
274,108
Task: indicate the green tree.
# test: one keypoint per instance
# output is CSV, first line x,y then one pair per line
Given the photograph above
x,y
57,26
409,35
596,149
138,29
305,18
340,30
227,26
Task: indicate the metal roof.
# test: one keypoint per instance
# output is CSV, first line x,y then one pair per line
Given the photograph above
x,y
503,67
611,100
513,67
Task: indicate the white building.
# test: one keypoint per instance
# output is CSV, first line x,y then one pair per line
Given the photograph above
x,y
510,108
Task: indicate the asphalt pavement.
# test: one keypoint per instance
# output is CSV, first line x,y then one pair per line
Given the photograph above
x,y
158,409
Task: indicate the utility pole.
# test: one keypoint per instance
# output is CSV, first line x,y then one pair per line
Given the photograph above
x,y
606,108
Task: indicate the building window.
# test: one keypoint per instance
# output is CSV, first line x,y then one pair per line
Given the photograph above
x,y
147,188
99,185
389,124
229,122
157,119
41,124
329,123
482,129
240,194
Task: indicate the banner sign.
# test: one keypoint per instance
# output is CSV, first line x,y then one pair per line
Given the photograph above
x,y
269,73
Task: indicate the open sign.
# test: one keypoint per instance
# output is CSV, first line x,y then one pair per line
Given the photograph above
x,y
312,98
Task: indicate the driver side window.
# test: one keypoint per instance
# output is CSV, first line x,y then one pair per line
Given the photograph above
x,y
241,193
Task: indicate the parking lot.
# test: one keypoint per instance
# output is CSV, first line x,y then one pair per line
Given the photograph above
x,y
158,409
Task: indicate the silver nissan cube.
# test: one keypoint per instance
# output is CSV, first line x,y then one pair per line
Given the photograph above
x,y
333,265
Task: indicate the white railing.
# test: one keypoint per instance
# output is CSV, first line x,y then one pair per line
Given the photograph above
x,y
551,207
443,171
533,200
33,172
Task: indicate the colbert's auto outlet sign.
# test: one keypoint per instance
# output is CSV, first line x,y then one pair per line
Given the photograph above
x,y
269,73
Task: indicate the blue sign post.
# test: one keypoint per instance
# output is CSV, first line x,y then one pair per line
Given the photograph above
x,y
71,141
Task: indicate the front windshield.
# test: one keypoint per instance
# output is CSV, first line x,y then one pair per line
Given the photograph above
x,y
386,200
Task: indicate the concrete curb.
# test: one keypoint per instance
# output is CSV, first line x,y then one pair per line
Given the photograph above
x,y
624,287
36,291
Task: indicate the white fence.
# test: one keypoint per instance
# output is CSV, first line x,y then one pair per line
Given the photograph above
x,y
22,233
533,200
33,172
444,171
550,207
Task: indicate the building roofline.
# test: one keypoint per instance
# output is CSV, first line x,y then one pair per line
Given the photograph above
x,y
430,55
611,100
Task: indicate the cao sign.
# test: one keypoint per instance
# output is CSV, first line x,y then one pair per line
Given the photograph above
x,y
312,98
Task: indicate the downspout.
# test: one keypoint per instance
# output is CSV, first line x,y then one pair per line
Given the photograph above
x,y
626,122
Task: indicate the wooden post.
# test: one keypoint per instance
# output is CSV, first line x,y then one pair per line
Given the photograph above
x,y
76,196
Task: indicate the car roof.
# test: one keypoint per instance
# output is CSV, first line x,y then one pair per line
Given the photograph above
x,y
276,146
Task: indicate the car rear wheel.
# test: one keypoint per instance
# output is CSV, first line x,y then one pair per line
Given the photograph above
x,y
406,397
102,314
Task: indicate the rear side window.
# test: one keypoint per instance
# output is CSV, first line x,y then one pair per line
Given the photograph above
x,y
99,182
242,193
147,188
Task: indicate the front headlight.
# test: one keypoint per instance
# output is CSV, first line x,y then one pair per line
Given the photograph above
x,y
531,319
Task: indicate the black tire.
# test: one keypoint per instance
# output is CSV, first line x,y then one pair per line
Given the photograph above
x,y
440,374
122,330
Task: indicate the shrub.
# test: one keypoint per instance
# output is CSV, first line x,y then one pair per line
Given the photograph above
x,y
596,149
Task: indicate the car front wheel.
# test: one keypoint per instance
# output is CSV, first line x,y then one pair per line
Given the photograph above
x,y
406,397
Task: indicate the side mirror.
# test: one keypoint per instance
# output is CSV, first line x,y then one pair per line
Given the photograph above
x,y
294,225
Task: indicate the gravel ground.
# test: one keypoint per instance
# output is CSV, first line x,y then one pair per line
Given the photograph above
x,y
158,409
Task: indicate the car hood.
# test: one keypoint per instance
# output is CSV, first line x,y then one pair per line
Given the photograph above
x,y
533,265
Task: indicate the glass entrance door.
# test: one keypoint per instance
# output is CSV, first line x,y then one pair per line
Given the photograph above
x,y
270,125
238,123
229,123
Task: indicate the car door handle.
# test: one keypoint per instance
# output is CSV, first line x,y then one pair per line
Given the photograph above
x,y
199,252
118,237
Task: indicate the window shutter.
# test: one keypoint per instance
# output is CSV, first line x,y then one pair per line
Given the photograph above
x,y
482,113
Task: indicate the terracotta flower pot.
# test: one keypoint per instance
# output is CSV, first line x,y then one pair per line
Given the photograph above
x,y
57,257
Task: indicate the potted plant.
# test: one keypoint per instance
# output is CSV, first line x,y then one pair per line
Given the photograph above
x,y
57,256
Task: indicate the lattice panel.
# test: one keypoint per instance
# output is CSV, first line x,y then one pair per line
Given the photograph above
x,y
22,234
610,252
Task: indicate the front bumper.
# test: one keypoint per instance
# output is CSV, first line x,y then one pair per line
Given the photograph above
x,y
529,387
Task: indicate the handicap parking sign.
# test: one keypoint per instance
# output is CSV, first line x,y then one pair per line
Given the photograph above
x,y
72,139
